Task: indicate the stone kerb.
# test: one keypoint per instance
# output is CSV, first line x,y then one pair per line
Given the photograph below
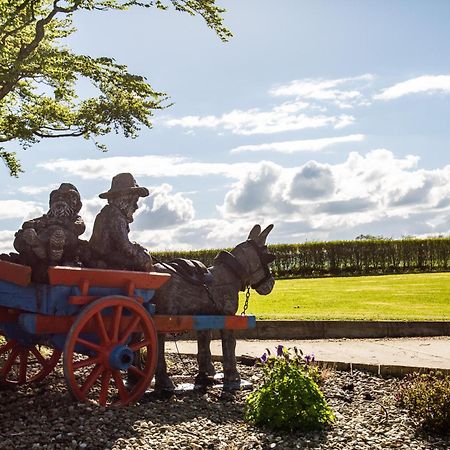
x,y
331,329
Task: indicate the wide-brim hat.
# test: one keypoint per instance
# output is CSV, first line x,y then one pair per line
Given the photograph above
x,y
122,184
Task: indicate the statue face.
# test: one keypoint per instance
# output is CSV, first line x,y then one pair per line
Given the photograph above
x,y
63,204
128,204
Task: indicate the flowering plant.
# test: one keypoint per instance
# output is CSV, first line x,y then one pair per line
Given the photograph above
x,y
426,397
289,397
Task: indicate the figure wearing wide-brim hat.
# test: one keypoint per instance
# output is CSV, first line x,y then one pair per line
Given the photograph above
x,y
109,245
123,184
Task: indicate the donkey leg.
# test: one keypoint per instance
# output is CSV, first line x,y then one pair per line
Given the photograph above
x,y
162,380
231,377
205,365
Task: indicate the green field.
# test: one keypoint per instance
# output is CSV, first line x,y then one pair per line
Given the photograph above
x,y
411,297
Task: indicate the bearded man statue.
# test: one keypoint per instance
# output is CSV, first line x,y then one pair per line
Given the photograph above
x,y
52,239
109,246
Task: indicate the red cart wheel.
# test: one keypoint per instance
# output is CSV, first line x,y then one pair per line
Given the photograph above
x,y
100,349
21,364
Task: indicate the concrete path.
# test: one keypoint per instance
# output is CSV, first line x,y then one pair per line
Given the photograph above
x,y
433,352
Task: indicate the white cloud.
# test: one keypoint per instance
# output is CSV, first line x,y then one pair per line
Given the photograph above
x,y
343,121
313,181
304,145
167,210
257,192
143,166
6,241
197,234
329,199
37,190
255,121
425,83
326,90
307,110
18,209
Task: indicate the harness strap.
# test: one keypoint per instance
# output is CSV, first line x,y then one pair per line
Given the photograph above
x,y
234,265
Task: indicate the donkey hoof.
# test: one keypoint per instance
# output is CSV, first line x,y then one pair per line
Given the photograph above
x,y
203,380
164,384
231,386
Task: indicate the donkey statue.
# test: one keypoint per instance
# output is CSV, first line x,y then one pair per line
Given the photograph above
x,y
244,267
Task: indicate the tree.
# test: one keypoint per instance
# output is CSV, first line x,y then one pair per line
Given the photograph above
x,y
38,74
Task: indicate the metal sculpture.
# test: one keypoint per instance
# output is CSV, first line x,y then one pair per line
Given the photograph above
x,y
245,267
52,239
109,246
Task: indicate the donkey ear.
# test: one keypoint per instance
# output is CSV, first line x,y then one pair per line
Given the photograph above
x,y
263,236
254,233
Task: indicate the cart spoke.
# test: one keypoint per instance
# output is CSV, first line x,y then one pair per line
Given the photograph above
x,y
130,328
138,345
136,371
92,378
23,356
89,344
116,323
123,394
101,325
86,362
9,363
106,377
38,355
7,346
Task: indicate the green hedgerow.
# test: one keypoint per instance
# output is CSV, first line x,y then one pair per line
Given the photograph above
x,y
427,399
289,397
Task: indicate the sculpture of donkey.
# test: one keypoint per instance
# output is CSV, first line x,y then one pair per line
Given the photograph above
x,y
245,266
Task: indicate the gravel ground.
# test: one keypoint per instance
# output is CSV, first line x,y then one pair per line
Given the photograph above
x,y
45,416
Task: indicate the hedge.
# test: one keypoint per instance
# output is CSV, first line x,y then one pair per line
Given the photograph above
x,y
345,258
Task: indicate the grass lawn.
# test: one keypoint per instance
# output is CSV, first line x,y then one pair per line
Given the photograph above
x,y
411,297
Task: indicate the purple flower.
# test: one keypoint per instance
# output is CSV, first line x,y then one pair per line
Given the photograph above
x,y
307,359
263,358
280,350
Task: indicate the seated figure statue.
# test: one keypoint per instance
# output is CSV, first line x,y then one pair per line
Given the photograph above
x,y
52,239
109,246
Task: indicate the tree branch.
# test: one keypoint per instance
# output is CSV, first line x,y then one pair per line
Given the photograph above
x,y
27,49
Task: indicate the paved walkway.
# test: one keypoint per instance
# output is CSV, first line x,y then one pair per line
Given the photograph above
x,y
433,352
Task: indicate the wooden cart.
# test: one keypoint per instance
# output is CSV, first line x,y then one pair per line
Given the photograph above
x,y
98,319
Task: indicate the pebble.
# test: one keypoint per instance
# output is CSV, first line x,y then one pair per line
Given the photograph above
x,y
38,417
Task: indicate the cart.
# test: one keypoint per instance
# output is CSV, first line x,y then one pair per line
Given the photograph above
x,y
98,320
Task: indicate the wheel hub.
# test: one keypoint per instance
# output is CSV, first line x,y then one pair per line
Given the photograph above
x,y
121,357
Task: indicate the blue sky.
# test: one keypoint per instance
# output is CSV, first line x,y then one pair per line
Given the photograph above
x,y
327,118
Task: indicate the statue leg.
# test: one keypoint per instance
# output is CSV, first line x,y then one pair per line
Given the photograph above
x,y
162,380
231,377
205,365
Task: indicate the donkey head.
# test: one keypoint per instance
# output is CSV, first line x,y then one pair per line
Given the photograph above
x,y
255,258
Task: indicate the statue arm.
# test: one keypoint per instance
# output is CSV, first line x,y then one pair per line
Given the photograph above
x,y
135,253
38,223
78,227
119,233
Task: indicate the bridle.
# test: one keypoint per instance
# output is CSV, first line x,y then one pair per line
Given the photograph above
x,y
230,261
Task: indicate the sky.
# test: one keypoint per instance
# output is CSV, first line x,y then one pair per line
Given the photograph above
x,y
329,119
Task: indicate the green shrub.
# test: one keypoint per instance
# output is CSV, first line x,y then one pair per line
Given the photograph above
x,y
364,256
427,399
289,397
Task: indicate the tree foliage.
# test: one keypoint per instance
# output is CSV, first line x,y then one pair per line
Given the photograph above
x,y
39,74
